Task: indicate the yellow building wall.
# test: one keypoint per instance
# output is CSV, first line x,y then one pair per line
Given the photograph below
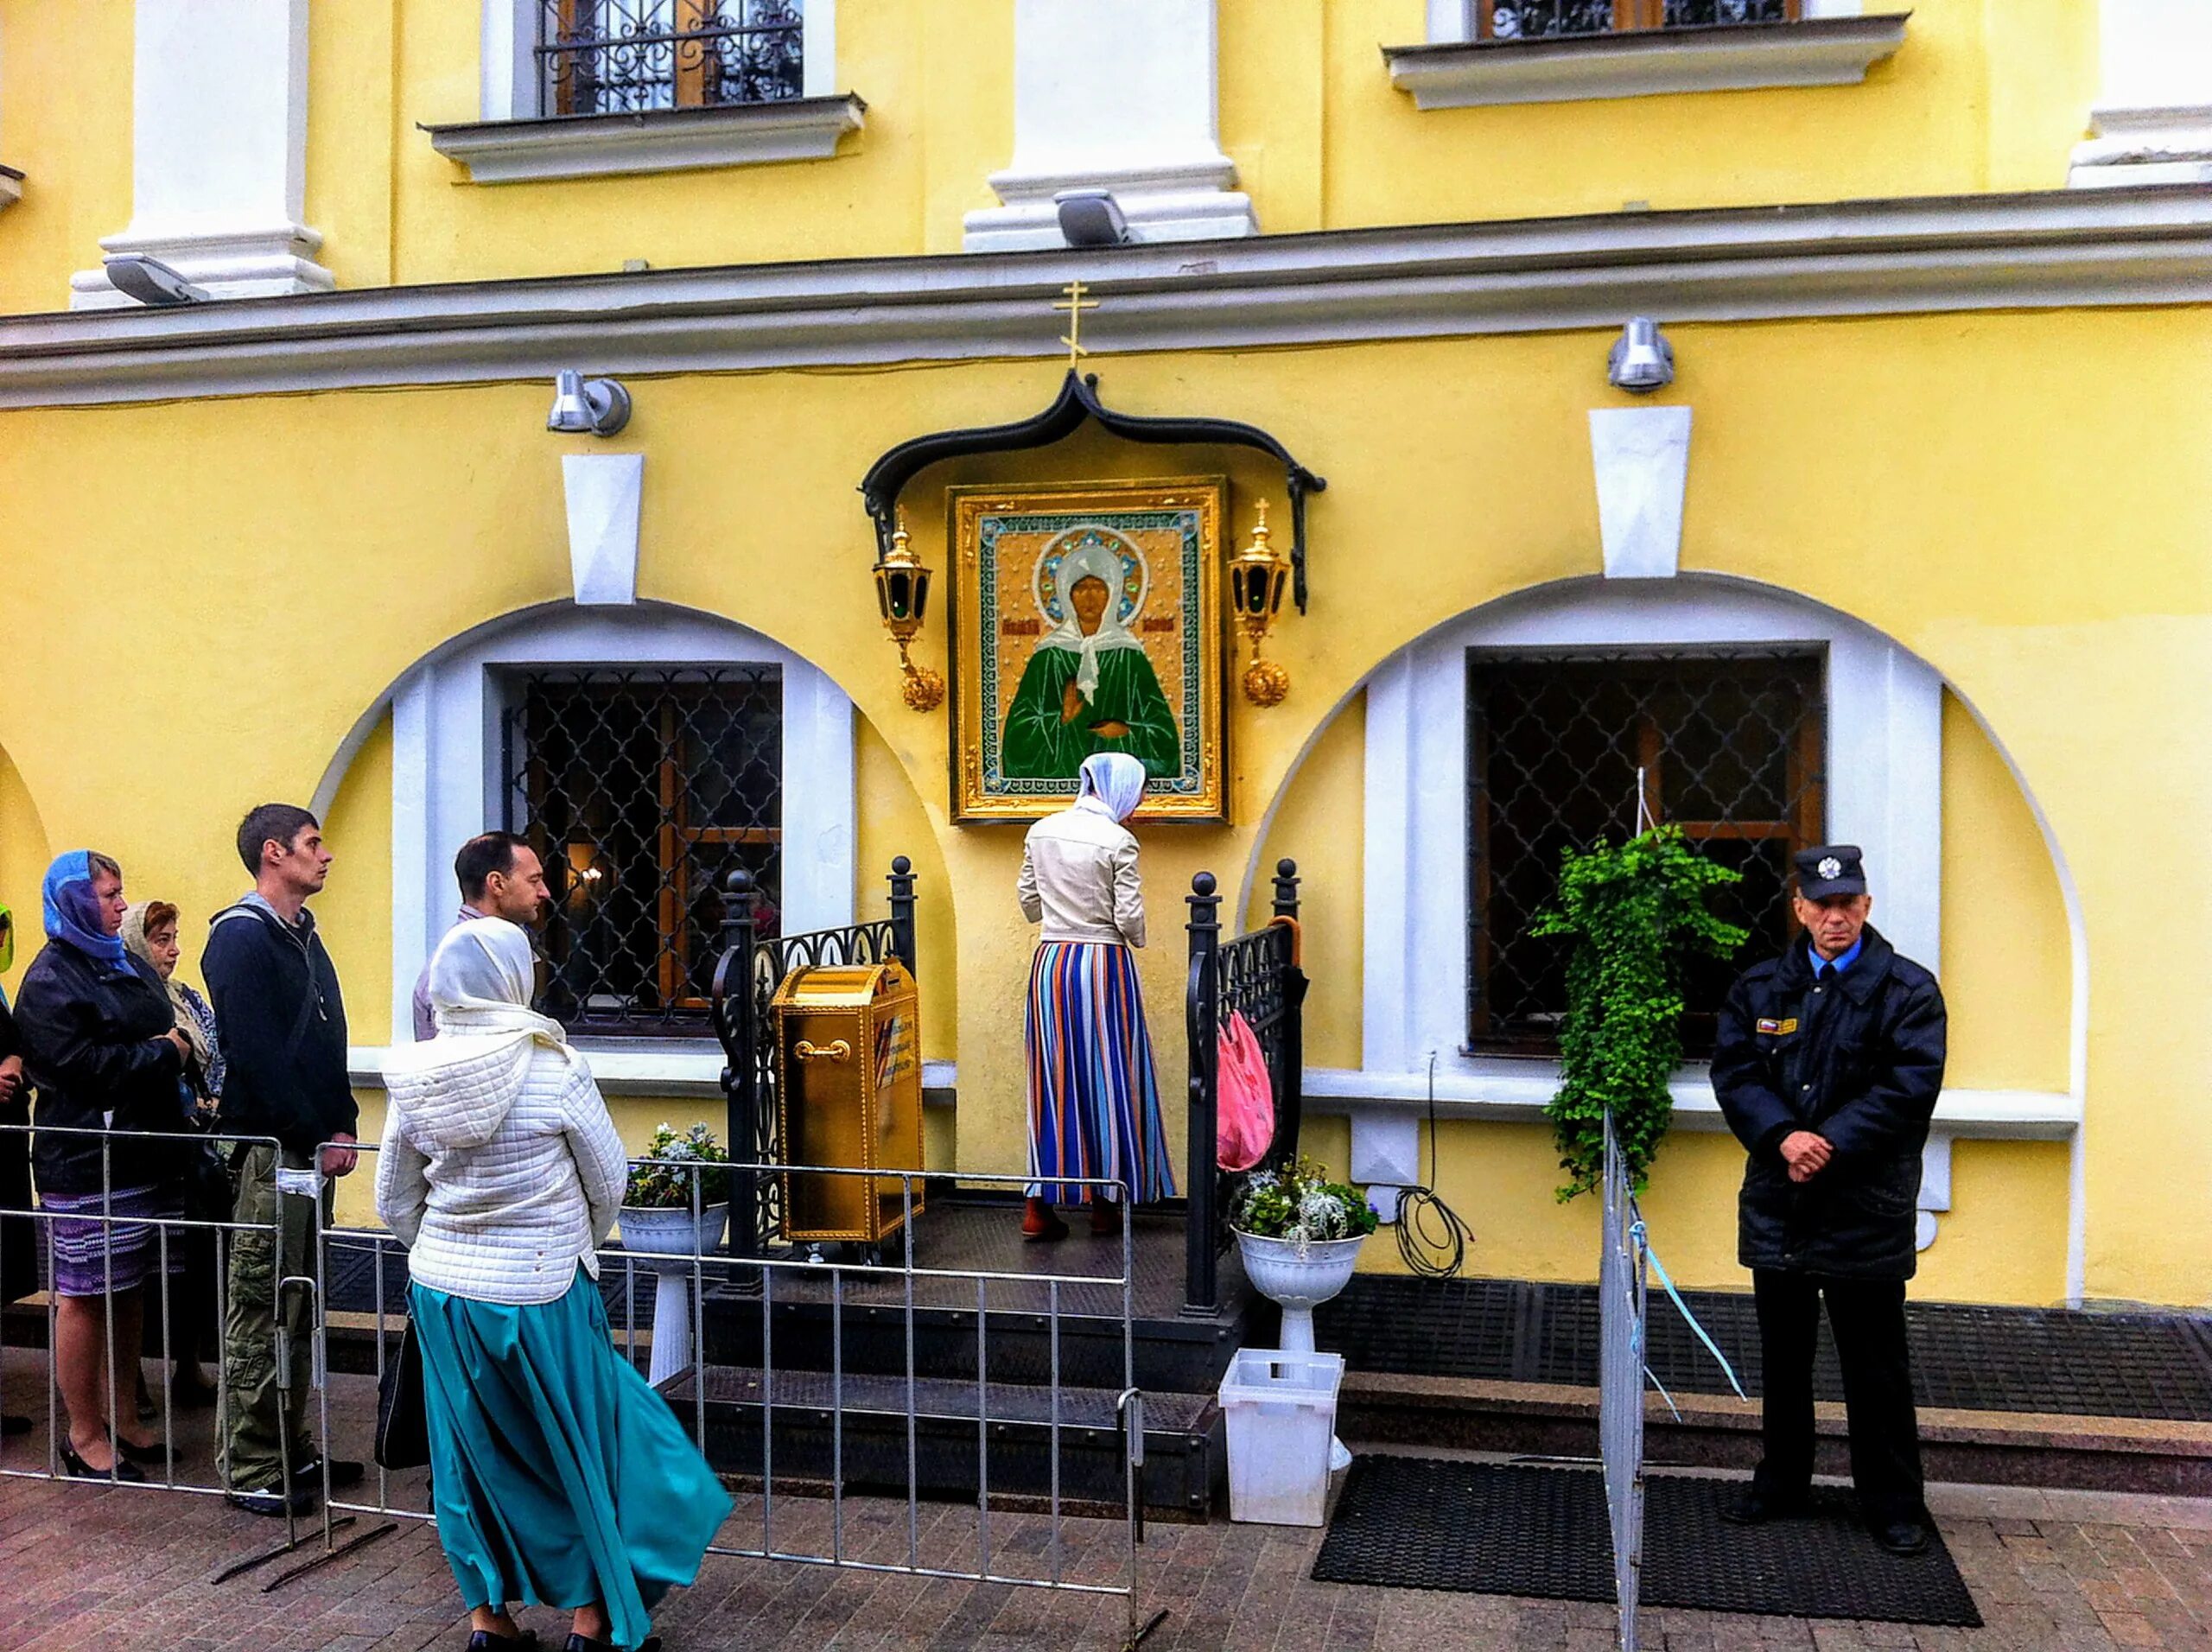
x,y
1985,94
24,857
1321,824
1882,467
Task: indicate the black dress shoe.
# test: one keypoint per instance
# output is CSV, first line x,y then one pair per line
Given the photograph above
x,y
483,1640
81,1470
343,1473
153,1453
585,1643
1757,1508
1901,1536
272,1503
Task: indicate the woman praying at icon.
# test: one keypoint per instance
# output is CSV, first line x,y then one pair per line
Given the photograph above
x,y
1089,686
1094,1104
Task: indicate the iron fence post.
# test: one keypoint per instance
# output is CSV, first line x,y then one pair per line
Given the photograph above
x,y
1201,1289
1290,1055
902,913
734,1014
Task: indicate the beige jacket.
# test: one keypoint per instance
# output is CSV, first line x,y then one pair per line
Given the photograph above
x,y
1079,879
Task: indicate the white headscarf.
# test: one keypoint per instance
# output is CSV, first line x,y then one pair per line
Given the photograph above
x,y
1098,562
460,1084
1110,784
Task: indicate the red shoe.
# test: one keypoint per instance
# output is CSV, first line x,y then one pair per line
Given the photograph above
x,y
1040,1220
1105,1218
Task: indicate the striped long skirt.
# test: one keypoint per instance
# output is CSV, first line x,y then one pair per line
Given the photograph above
x,y
1094,1102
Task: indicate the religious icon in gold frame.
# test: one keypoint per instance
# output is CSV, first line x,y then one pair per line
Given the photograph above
x,y
1086,617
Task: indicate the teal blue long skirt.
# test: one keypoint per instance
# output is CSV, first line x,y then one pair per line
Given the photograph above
x,y
558,1476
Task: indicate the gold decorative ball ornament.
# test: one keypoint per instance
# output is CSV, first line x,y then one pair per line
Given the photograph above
x,y
1266,683
923,688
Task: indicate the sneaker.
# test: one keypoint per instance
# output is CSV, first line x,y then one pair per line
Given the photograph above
x,y
271,1501
1758,1508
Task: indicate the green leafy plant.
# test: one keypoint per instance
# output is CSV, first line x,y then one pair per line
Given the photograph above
x,y
1300,1204
1635,913
667,1186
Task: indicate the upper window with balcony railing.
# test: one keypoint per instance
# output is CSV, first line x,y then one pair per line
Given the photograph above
x,y
604,57
1550,19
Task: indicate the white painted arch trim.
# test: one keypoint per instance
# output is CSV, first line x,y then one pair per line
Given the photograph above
x,y
445,777
1885,782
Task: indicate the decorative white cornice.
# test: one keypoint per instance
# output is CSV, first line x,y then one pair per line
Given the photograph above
x,y
2138,146
654,140
2050,249
1644,62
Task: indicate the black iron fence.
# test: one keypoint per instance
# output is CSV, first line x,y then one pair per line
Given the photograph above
x,y
750,969
1261,978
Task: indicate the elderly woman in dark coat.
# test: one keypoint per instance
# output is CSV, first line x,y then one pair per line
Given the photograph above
x,y
101,1044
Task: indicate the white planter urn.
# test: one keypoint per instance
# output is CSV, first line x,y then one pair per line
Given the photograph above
x,y
1301,1278
673,1237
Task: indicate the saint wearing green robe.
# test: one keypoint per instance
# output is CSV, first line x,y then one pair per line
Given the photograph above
x,y
1088,688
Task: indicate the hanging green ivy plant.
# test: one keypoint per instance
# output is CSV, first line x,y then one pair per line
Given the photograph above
x,y
1635,913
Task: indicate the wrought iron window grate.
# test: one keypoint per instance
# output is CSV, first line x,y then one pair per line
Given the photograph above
x,y
641,789
600,57
1730,745
1550,19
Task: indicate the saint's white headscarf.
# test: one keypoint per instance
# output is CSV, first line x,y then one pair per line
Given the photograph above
x,y
459,1085
1098,562
1110,784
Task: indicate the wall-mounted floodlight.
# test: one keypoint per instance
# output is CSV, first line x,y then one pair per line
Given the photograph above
x,y
150,282
1091,217
583,406
1642,359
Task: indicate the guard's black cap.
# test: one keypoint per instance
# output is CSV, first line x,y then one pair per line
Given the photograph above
x,y
1831,869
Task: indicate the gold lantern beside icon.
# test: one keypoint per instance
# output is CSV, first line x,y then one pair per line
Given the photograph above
x,y
902,594
1257,575
849,1087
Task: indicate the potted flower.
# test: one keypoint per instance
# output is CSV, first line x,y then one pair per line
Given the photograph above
x,y
657,1207
1300,1234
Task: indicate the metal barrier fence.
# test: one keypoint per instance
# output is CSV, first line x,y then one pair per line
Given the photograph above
x,y
800,1509
1622,1318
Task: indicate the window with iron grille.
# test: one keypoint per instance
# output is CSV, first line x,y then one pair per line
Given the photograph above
x,y
1727,745
600,57
1548,19
641,790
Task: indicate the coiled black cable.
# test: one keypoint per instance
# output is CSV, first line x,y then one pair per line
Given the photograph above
x,y
1433,1237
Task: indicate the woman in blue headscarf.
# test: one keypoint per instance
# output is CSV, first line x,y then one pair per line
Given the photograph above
x,y
101,1045
1094,1102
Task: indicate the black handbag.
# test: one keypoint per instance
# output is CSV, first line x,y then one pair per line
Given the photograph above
x,y
403,1426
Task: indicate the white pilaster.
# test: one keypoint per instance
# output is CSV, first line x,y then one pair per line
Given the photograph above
x,y
1118,97
2152,123
1641,456
218,170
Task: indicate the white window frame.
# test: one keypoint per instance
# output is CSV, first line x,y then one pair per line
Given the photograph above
x,y
1885,760
446,779
512,92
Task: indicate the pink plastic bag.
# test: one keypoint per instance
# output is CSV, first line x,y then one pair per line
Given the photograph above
x,y
1245,1117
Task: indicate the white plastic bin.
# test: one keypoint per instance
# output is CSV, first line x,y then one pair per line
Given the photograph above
x,y
1282,1410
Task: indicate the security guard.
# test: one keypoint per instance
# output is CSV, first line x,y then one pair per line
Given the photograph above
x,y
1827,1065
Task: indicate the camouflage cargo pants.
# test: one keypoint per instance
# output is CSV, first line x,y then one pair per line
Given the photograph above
x,y
267,1428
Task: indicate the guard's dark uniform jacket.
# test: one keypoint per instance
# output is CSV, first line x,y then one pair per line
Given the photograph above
x,y
1857,1058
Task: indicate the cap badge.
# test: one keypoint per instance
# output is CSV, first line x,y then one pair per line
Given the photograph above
x,y
1830,866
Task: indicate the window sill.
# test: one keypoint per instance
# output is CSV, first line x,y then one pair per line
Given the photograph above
x,y
657,140
11,185
1644,62
685,1070
1519,1096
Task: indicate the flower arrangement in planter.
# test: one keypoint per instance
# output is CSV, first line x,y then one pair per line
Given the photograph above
x,y
1298,1233
657,1210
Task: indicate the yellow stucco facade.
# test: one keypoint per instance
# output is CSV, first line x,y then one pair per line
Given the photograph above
x,y
210,587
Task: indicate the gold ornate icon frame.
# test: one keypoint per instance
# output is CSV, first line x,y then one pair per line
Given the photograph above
x,y
1002,537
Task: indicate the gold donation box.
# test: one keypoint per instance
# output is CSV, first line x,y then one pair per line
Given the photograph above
x,y
848,1085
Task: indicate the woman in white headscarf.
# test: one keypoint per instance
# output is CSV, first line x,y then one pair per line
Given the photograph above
x,y
1094,1102
1088,688
560,1478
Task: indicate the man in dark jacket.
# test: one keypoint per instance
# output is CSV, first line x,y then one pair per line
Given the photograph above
x,y
283,1027
1827,1065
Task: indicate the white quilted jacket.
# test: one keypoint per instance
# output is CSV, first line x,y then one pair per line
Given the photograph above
x,y
500,1175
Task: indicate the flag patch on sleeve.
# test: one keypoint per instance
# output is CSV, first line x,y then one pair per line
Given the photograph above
x,y
1779,1028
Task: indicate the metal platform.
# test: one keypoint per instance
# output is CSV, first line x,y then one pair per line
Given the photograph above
x,y
2150,1366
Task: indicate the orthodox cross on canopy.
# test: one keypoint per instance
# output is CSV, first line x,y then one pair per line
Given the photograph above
x,y
1075,304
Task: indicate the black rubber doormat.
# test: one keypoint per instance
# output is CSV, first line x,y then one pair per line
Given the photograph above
x,y
1409,1522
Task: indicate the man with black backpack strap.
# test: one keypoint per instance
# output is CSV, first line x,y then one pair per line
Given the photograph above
x,y
283,1027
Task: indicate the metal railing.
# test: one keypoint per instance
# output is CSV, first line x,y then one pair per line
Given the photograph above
x,y
747,976
1261,976
1623,1319
600,57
